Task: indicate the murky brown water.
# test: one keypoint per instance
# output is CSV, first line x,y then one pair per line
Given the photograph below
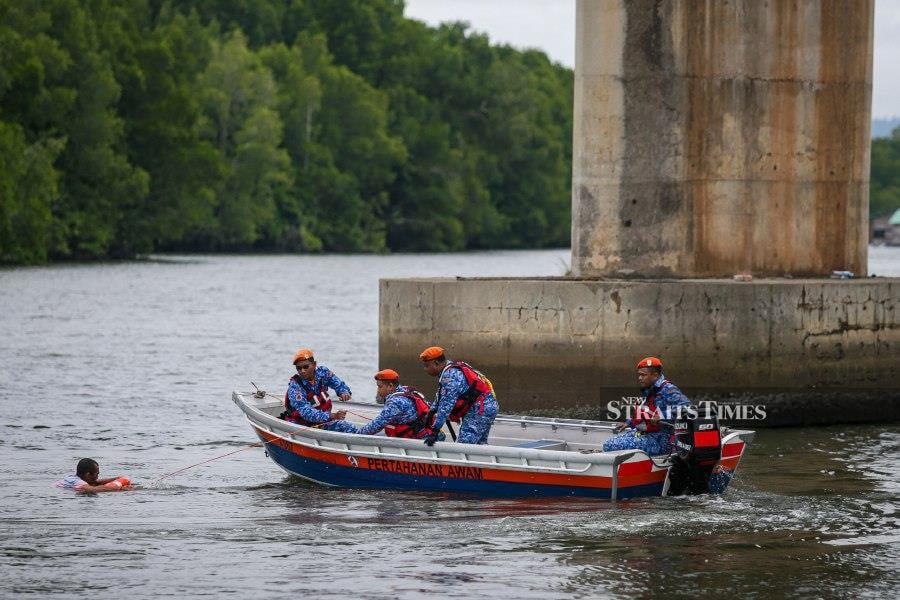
x,y
133,364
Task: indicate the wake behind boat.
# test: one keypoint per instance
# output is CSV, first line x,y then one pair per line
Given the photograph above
x,y
525,456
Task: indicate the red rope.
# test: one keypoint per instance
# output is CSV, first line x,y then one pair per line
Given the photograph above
x,y
350,412
256,445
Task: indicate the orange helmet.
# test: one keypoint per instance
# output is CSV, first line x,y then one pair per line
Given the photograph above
x,y
650,361
303,354
432,353
387,375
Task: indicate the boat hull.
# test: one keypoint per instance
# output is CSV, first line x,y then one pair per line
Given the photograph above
x,y
394,474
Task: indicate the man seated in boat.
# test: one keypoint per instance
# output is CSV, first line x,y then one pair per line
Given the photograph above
x,y
306,401
661,401
464,395
405,413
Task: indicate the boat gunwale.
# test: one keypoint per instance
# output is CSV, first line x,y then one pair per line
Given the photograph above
x,y
300,434
291,431
561,422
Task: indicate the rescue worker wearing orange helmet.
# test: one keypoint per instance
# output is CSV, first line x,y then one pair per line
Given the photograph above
x,y
306,400
662,400
464,395
405,413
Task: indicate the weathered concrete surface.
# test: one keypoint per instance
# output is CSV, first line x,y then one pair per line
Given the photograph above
x,y
811,351
713,137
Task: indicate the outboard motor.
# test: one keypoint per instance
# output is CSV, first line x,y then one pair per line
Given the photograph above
x,y
698,447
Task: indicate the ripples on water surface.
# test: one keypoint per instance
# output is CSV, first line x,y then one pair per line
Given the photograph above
x,y
133,363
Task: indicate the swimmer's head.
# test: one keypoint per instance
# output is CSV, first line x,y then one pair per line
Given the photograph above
x,y
88,470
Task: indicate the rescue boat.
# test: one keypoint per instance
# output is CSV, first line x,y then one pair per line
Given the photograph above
x,y
526,456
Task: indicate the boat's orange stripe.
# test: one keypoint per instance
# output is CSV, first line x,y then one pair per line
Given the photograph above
x,y
634,468
504,475
733,449
730,463
729,451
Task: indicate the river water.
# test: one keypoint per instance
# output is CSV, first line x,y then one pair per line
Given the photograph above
x,y
133,363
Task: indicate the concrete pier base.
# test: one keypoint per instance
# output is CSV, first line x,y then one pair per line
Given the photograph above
x,y
806,351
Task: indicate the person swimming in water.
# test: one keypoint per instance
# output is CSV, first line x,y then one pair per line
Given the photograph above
x,y
87,479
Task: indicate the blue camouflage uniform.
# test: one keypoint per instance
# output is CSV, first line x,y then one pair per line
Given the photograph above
x,y
668,398
398,410
475,425
323,379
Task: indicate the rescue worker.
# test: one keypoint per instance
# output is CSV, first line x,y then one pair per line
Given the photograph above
x,y
306,401
405,413
661,401
464,395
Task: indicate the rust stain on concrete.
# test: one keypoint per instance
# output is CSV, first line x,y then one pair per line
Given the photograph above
x,y
746,138
701,120
840,137
782,216
618,300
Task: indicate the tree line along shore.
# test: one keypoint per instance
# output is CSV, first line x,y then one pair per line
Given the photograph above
x,y
133,126
137,126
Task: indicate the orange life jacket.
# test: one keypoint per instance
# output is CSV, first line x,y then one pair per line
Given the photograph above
x,y
646,411
479,387
421,426
317,398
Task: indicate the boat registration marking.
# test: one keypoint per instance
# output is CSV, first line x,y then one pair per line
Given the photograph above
x,y
430,470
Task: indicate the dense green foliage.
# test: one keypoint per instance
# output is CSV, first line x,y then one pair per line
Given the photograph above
x,y
885,183
128,126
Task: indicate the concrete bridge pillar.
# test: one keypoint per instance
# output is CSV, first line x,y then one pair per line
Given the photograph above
x,y
721,136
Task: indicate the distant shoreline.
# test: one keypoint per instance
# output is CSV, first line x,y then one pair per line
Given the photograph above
x,y
884,261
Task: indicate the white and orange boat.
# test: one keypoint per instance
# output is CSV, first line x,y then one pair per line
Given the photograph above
x,y
525,456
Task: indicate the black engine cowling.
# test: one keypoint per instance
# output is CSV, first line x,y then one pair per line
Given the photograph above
x,y
698,447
